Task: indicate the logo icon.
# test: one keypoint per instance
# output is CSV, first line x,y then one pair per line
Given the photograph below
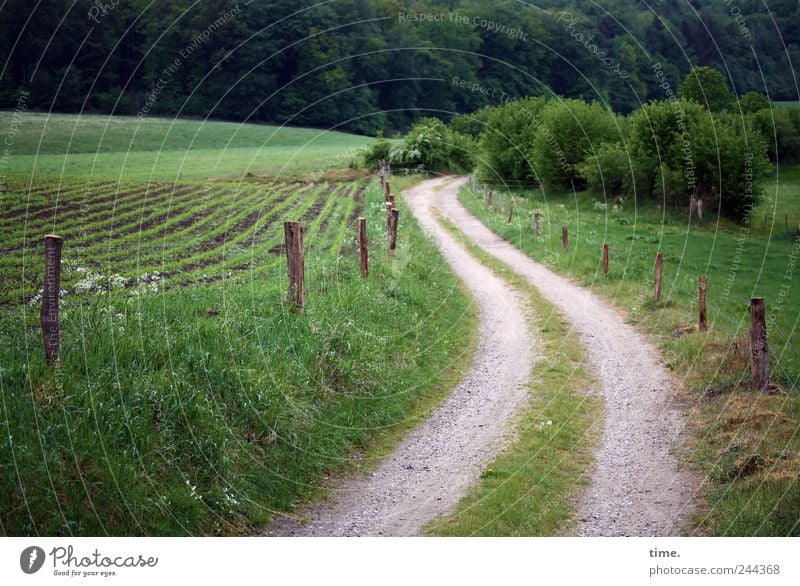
x,y
32,559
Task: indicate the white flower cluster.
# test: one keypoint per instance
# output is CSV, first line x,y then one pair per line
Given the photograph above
x,y
147,283
94,282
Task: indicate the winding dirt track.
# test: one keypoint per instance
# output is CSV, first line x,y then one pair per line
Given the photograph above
x,y
636,488
434,465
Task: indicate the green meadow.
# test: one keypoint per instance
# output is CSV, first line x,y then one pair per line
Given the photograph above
x,y
123,148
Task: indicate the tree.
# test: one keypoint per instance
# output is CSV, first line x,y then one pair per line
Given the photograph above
x,y
708,87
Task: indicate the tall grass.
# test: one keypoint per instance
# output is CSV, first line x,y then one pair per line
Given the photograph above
x,y
206,410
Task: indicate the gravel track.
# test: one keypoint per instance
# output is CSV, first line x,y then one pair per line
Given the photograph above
x,y
435,464
637,487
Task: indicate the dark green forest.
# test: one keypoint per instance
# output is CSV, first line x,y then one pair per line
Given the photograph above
x,y
369,65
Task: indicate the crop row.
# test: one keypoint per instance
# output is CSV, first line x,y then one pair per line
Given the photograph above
x,y
151,237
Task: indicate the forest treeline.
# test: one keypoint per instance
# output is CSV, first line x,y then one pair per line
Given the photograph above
x,y
369,65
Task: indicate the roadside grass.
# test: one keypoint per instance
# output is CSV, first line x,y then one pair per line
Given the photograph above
x,y
745,442
124,148
530,489
209,409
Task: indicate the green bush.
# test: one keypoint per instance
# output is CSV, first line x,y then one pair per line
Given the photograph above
x,y
754,102
610,171
379,150
507,141
472,124
681,151
432,146
570,131
780,129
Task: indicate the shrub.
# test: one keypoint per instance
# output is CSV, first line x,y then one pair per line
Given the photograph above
x,y
684,151
507,141
780,129
610,171
379,150
431,146
570,131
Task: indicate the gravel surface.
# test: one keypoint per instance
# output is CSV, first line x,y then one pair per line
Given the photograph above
x,y
637,486
435,464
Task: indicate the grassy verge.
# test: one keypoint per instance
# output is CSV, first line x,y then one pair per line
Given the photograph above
x,y
531,487
204,410
745,442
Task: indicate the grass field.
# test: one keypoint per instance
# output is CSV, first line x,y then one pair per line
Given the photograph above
x,y
124,148
189,399
747,442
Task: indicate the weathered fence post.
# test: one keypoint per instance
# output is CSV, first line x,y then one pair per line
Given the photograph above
x,y
758,344
699,208
49,316
295,256
537,219
703,323
394,217
362,246
382,173
605,260
490,201
659,271
388,191
485,195
511,209
388,218
564,238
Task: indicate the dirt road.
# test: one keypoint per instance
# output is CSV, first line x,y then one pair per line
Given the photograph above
x,y
636,487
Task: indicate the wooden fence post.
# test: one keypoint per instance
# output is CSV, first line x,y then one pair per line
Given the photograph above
x,y
388,219
485,195
605,260
564,238
537,219
659,271
388,191
295,257
491,198
511,209
362,246
699,208
49,316
394,217
758,344
703,324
